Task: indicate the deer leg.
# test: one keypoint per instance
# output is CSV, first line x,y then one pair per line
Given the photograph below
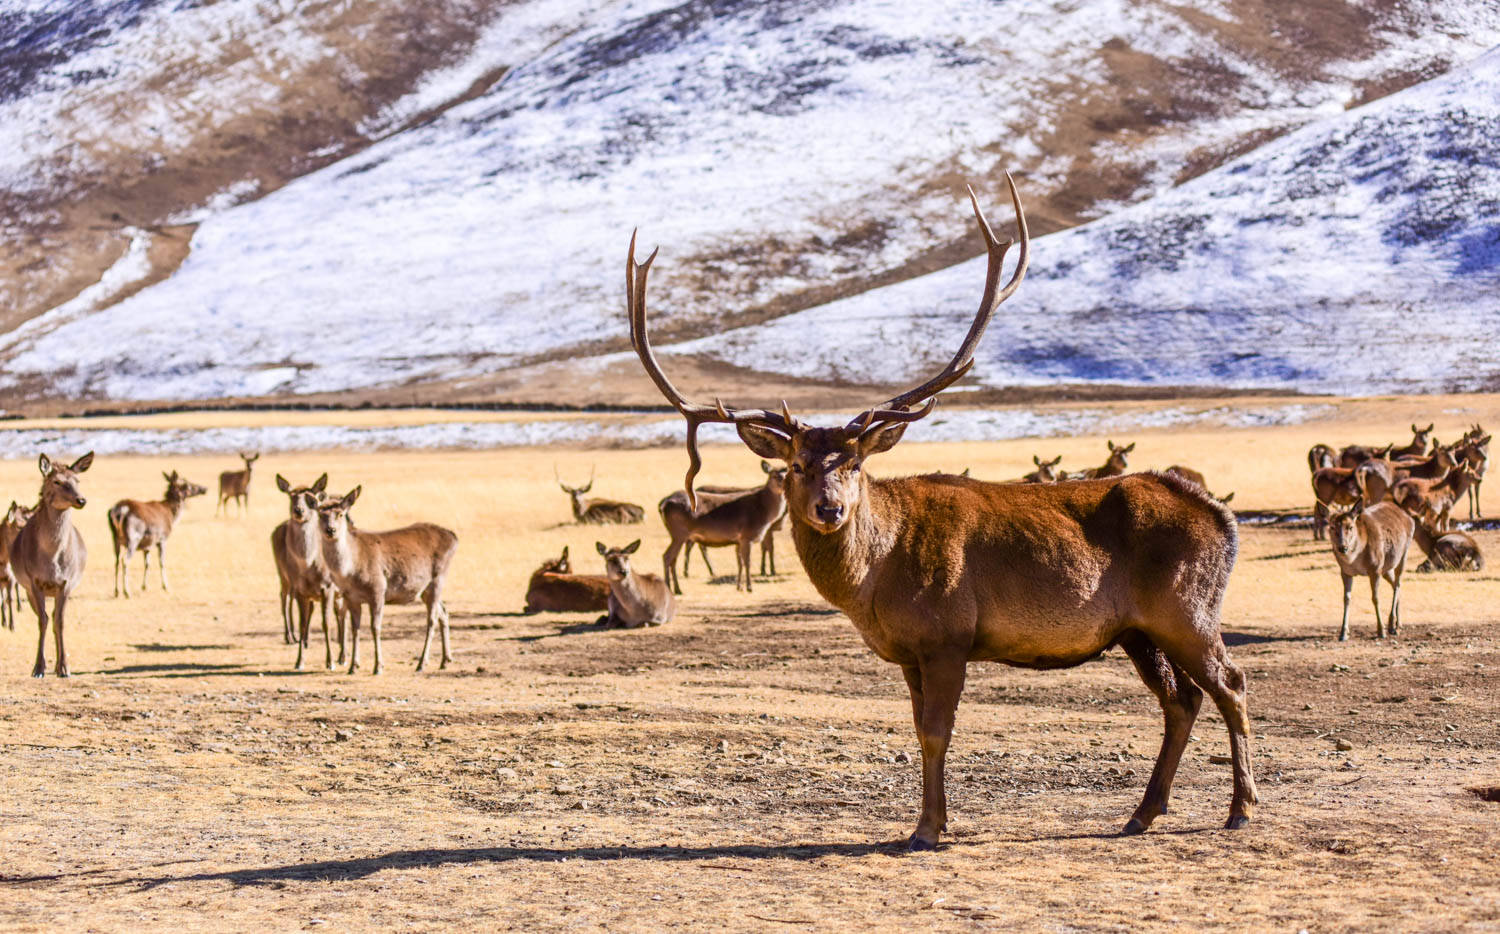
x,y
1375,599
942,683
431,625
443,619
377,615
709,568
1213,670
117,571
1320,522
742,564
161,565
669,564
39,605
768,549
304,619
1348,591
353,638
327,645
1395,581
342,615
145,567
60,667
1179,698
288,631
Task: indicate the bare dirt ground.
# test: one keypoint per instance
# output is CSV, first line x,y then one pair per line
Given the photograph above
x,y
748,766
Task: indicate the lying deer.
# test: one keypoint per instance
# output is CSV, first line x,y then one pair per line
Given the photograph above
x,y
741,519
305,578
16,518
1045,472
138,526
1445,551
939,571
235,485
49,555
635,599
600,511
375,568
1114,465
1434,499
554,588
1371,541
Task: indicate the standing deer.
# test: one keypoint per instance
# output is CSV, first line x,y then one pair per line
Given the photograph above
x,y
706,493
49,555
1475,449
16,518
599,511
375,568
1045,472
741,519
1356,454
555,588
1371,541
1435,499
939,571
235,485
298,553
137,526
635,599
1320,456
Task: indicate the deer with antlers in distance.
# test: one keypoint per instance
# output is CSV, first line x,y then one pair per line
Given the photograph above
x,y
16,518
49,555
599,511
938,571
138,526
235,485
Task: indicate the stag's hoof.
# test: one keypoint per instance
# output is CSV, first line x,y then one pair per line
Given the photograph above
x,y
1134,826
1236,821
920,844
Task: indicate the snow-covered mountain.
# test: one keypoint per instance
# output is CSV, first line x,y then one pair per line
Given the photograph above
x,y
785,153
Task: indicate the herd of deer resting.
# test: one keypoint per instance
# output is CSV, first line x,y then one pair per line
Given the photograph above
x,y
934,571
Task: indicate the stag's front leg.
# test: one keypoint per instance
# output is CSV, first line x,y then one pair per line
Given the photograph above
x,y
1348,593
942,683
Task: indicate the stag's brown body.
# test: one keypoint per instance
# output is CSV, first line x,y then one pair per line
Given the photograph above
x,y
49,555
554,588
135,525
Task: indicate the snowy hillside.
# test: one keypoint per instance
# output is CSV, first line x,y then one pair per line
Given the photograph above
x,y
1359,255
784,153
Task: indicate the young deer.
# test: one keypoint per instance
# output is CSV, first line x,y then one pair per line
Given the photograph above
x,y
554,588
137,526
16,518
741,519
1045,472
1371,541
298,553
599,511
235,485
1445,551
937,571
635,599
375,568
49,555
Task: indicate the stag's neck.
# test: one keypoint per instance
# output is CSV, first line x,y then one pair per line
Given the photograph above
x,y
843,564
578,506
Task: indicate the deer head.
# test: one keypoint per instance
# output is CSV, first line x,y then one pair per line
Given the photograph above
x,y
617,560
333,515
1343,526
1117,455
304,499
1422,435
60,484
18,515
179,488
558,565
825,481
249,458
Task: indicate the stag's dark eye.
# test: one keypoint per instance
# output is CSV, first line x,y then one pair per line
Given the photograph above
x,y
797,469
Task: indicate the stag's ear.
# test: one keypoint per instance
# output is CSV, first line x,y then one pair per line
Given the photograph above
x,y
602,549
764,441
881,438
351,496
282,485
630,548
83,463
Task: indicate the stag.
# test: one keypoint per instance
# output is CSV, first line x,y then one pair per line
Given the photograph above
x,y
138,526
49,555
937,571
599,511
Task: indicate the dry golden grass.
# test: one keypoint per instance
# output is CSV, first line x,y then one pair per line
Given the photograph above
x,y
743,767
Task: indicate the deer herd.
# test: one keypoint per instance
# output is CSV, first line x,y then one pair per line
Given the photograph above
x,y
934,571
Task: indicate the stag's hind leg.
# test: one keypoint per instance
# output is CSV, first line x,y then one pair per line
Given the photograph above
x,y
1180,699
1207,662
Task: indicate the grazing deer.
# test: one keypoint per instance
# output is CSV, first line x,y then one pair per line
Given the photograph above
x,y
1114,465
1445,551
1045,472
554,588
741,519
375,568
235,485
1371,541
305,578
49,555
635,599
599,511
137,526
1435,499
16,518
939,571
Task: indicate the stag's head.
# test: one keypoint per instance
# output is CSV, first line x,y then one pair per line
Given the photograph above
x,y
249,458
825,466
1343,526
333,515
304,500
60,485
179,488
617,560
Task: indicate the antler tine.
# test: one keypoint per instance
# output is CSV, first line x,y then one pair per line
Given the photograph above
x,y
993,297
865,419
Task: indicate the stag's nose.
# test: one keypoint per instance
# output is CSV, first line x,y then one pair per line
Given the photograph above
x,y
830,512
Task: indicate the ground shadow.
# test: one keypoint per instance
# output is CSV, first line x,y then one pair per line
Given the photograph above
x,y
568,629
200,670
347,869
1232,639
163,647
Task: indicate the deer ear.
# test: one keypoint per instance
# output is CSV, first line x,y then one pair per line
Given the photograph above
x,y
1432,426
320,484
44,463
1111,446
282,485
602,549
881,439
764,441
1036,460
1128,448
565,553
351,496
630,548
83,463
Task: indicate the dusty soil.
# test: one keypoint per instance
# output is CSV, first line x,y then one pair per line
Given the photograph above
x,y
746,766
